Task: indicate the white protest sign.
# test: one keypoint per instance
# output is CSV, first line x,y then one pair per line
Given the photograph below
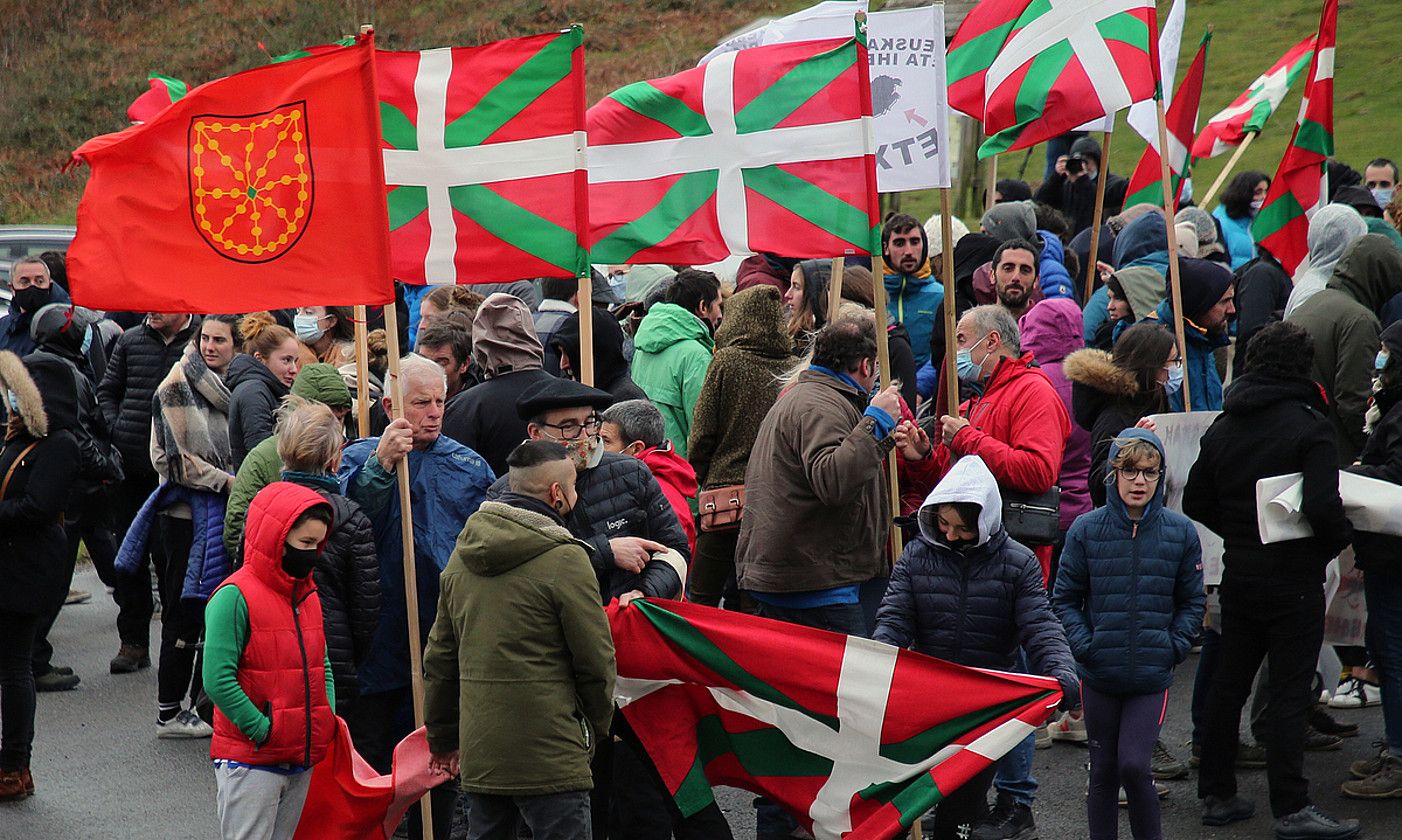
x,y
1181,435
1371,504
910,110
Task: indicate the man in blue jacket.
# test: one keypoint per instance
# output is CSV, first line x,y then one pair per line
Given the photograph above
x,y
913,293
448,481
1208,306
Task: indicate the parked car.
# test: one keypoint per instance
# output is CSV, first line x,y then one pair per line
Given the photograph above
x,y
25,240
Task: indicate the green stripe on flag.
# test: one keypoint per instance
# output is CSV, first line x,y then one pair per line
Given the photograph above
x,y
512,95
976,54
174,87
801,83
1275,216
396,128
520,228
679,632
405,205
762,752
1151,193
694,794
1042,76
644,98
812,204
1314,137
918,748
680,203
1125,28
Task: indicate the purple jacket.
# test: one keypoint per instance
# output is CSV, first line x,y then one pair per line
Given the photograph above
x,y
1051,331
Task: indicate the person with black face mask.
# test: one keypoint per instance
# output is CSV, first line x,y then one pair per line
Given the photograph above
x,y
968,593
266,667
32,289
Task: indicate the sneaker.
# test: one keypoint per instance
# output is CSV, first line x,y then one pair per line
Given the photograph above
x,y
1316,741
1165,765
185,724
1384,784
129,659
1310,823
1044,738
77,596
1007,821
54,681
1070,728
1225,811
1354,693
1160,789
1365,767
1324,722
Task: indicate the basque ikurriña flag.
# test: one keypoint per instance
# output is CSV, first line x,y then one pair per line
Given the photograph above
x,y
484,160
1035,69
1249,112
1146,184
853,737
766,149
1282,225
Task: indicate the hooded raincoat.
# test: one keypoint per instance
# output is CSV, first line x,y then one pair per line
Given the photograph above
x,y
1331,231
1051,331
672,352
975,606
1130,593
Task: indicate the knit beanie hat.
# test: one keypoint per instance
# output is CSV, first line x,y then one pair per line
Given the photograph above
x,y
1011,220
1204,282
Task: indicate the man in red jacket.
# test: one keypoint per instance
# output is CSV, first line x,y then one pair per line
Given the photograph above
x,y
635,427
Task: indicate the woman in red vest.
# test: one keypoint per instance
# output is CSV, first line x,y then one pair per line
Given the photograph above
x,y
266,667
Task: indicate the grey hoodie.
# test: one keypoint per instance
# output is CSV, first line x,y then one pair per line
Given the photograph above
x,y
504,339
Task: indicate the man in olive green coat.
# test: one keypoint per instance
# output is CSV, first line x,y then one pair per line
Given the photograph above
x,y
519,667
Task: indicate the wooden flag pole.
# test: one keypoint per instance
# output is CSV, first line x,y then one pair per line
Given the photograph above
x,y
992,185
362,373
951,346
586,328
406,528
835,287
1226,170
883,361
1092,257
1175,283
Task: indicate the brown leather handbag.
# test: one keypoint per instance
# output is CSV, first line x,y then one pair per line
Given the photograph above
x,y
721,508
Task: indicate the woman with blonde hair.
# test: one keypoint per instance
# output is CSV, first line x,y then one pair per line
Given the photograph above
x,y
258,379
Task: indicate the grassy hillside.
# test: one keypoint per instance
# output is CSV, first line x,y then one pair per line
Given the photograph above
x,y
70,67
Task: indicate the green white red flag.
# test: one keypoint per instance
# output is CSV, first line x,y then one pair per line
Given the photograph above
x,y
1249,112
1282,225
766,149
163,91
484,160
1031,70
851,743
1146,184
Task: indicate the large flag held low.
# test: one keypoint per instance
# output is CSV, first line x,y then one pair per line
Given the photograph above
x,y
1282,225
1034,69
484,160
766,149
1146,184
850,742
261,190
349,800
1249,112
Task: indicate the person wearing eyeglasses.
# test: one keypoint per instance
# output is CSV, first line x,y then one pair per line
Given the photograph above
x,y
32,288
1129,593
1272,596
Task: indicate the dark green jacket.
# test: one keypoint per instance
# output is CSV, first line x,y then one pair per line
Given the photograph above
x,y
519,667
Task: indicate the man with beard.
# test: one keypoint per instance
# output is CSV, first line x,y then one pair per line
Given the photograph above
x,y
673,349
913,293
1208,304
1015,275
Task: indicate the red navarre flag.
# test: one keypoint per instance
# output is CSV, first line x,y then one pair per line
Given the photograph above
x,y
261,190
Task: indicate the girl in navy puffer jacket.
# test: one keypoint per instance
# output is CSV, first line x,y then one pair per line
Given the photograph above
x,y
968,593
1129,592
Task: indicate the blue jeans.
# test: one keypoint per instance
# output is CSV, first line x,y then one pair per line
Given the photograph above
x,y
1014,776
1383,594
771,820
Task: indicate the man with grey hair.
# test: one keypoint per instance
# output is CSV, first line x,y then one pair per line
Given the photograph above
x,y
33,289
636,427
448,481
1018,425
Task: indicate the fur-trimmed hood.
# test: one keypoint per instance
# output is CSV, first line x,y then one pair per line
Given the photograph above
x,y
1097,369
14,377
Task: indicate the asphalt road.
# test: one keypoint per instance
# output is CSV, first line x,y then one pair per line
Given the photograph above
x,y
102,773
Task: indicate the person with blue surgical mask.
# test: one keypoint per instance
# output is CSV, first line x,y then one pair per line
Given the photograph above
x,y
1380,177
